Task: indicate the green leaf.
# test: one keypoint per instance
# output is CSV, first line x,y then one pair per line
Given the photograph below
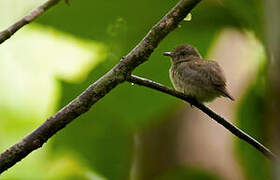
x,y
188,17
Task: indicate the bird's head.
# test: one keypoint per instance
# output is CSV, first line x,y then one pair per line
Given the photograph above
x,y
183,53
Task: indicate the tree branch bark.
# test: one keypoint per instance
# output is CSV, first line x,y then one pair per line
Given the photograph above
x,y
6,34
230,127
98,89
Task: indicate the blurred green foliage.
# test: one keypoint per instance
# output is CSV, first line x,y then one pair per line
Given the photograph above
x,y
251,117
98,145
187,173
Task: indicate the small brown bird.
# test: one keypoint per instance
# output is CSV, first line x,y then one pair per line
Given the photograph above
x,y
198,78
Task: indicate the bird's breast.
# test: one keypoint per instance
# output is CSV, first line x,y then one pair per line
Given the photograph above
x,y
176,79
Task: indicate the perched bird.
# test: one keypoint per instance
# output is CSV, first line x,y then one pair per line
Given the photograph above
x,y
193,76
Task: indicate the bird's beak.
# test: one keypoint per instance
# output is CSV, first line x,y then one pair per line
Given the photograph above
x,y
167,53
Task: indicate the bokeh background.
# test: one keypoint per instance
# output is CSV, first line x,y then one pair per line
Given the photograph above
x,y
133,132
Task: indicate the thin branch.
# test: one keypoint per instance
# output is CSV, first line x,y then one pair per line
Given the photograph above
x,y
98,89
6,34
230,127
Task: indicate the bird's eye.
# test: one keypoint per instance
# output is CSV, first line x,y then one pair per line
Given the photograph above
x,y
183,53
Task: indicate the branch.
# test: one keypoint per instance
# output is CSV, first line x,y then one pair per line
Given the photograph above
x,y
230,127
6,34
99,88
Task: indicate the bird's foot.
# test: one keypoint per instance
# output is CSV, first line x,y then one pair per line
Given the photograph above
x,y
193,102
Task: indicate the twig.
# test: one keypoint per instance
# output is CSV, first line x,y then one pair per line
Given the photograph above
x,y
99,88
6,34
230,127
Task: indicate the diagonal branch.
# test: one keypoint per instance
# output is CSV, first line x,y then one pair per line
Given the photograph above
x,y
230,127
6,34
98,89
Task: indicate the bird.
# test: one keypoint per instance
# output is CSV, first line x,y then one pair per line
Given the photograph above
x,y
190,74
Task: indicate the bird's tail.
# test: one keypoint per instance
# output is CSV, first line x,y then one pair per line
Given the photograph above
x,y
225,93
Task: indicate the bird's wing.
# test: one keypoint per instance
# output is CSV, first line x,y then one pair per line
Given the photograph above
x,y
210,73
